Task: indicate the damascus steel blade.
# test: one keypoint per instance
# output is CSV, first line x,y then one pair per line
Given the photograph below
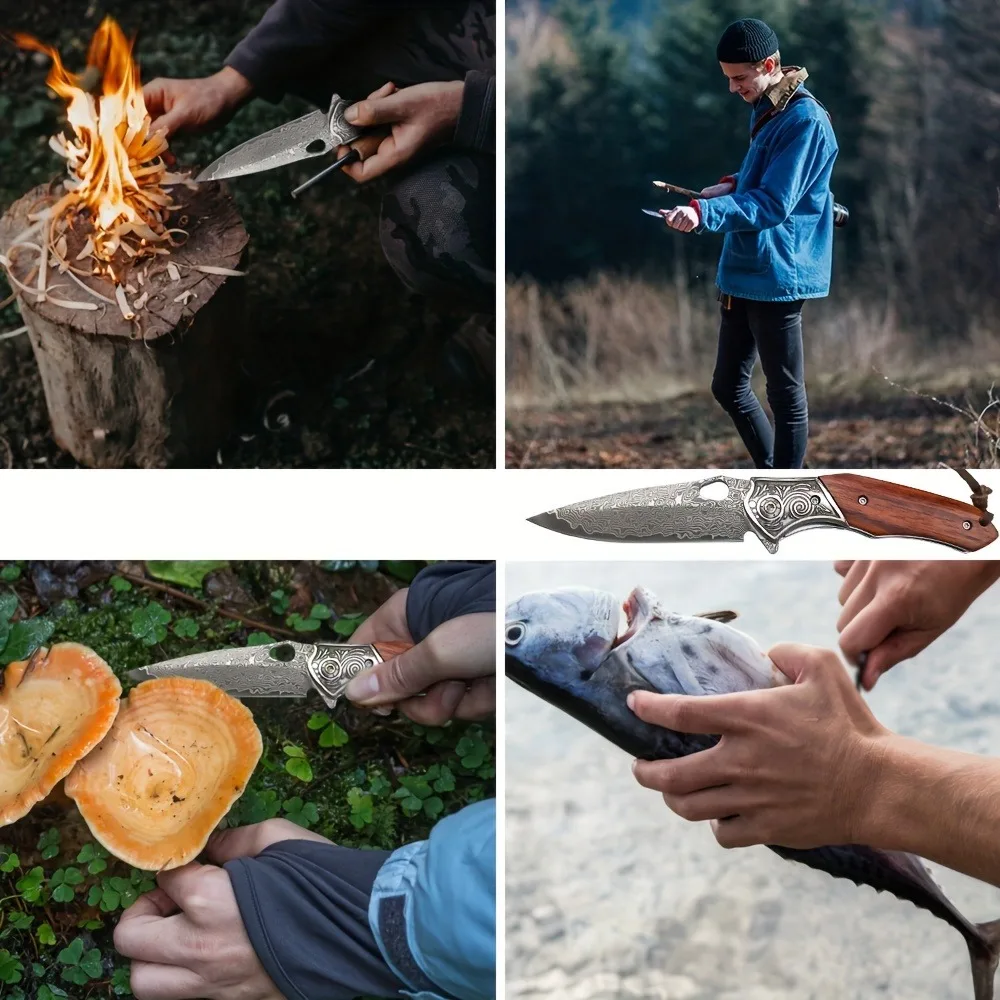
x,y
279,670
673,513
311,135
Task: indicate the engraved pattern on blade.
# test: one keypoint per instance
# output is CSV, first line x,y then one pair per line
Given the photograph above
x,y
678,511
780,507
244,673
331,667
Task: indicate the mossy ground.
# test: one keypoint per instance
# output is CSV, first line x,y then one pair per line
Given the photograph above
x,y
322,301
375,781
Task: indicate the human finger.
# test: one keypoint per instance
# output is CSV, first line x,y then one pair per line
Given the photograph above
x,y
715,713
376,111
479,701
709,803
899,646
736,831
870,627
841,566
853,574
863,595
153,981
437,706
152,938
684,775
386,157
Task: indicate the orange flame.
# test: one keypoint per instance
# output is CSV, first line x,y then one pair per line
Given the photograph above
x,y
114,163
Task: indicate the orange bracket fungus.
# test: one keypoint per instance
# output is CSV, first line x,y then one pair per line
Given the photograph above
x,y
54,709
179,754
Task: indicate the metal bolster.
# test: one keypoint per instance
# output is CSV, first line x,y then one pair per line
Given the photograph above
x,y
777,508
332,666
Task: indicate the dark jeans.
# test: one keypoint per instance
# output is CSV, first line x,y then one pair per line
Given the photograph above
x,y
773,330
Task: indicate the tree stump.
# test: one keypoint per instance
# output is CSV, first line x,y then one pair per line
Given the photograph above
x,y
160,389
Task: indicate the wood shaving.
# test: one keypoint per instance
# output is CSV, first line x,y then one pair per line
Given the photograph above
x,y
175,275
212,269
123,303
13,333
184,297
141,301
131,289
87,251
27,289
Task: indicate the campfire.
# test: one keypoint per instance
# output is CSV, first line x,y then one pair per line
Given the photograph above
x,y
125,275
114,218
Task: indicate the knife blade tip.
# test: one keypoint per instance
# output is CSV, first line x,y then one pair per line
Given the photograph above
x,y
547,519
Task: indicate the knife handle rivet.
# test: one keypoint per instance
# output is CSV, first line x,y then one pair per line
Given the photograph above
x,y
967,525
862,500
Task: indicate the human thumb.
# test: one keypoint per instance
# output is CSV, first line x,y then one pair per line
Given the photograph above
x,y
901,645
374,111
797,661
400,677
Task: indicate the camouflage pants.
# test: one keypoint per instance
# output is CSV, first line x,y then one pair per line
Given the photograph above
x,y
438,224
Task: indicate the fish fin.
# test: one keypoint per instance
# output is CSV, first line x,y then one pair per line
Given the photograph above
x,y
984,955
720,616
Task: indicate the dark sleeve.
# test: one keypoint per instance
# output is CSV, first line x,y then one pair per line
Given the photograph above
x,y
305,908
294,35
447,590
477,122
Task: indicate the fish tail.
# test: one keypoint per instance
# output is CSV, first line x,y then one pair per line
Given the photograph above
x,y
984,951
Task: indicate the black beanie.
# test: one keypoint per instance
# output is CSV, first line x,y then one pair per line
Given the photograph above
x,y
746,41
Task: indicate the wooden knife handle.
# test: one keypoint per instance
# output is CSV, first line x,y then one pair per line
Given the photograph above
x,y
387,650
880,508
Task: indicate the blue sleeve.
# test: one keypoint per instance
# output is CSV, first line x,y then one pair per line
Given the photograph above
x,y
802,152
433,908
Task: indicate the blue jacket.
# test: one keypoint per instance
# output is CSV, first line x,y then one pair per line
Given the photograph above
x,y
779,220
433,909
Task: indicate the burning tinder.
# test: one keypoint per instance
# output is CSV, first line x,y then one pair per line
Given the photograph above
x,y
117,175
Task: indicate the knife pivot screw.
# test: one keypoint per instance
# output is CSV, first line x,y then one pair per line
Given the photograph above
x,y
967,525
862,500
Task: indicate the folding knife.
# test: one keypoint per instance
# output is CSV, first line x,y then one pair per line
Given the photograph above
x,y
774,508
311,135
279,669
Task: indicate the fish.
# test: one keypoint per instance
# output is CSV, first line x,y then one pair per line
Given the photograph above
x,y
566,647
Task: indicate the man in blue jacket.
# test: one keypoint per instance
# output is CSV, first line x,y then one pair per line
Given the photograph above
x,y
777,216
282,913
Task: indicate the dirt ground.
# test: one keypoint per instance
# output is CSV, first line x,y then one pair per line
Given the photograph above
x,y
691,431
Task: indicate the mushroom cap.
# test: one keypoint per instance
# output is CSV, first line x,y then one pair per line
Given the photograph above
x,y
178,756
54,709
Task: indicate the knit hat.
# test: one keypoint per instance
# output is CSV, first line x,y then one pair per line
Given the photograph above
x,y
747,41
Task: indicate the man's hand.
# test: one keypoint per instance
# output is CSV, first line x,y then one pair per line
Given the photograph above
x,y
683,218
417,118
797,766
893,610
453,671
718,190
187,939
195,105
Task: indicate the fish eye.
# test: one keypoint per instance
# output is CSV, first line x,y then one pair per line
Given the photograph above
x,y
514,633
